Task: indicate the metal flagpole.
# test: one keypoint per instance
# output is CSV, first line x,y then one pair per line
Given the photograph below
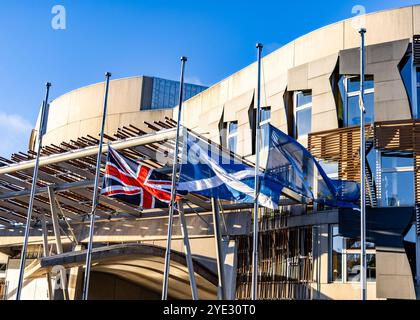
x,y
187,250
45,248
219,250
85,293
41,131
362,32
256,185
173,187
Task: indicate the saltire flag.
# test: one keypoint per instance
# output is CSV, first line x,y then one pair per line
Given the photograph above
x,y
211,172
206,170
293,166
135,183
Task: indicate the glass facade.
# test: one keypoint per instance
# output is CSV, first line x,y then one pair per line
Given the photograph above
x,y
397,183
265,117
165,93
336,255
345,258
232,138
350,91
303,113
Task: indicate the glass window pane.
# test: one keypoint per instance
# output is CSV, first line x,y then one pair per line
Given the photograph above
x,y
265,114
337,255
353,110
353,113
303,98
232,143
398,188
330,168
353,267
303,122
355,244
165,93
233,127
369,106
337,267
393,162
410,236
371,267
353,83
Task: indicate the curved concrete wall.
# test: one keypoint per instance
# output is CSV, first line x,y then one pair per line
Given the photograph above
x,y
307,63
79,112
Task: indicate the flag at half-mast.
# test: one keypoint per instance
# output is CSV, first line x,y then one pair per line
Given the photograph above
x,y
135,183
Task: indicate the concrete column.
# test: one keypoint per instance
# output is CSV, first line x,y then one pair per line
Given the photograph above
x,y
75,282
56,227
45,253
229,252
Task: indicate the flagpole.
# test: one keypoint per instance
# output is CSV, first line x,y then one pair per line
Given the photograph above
x,y
85,293
42,127
362,32
256,185
173,187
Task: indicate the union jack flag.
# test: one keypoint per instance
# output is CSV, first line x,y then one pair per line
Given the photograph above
x,y
135,183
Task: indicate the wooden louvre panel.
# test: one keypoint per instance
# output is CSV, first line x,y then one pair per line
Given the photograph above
x,y
285,264
416,48
394,135
341,146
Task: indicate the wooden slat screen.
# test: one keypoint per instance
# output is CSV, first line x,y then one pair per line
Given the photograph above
x,y
285,264
342,146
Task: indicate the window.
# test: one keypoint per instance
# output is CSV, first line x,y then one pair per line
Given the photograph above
x,y
336,273
411,235
345,258
265,118
303,113
165,93
350,85
330,168
397,180
232,135
265,115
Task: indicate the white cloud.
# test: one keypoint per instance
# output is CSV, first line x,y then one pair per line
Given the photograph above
x,y
15,132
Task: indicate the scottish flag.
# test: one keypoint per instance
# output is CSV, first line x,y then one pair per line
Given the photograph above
x,y
211,172
291,165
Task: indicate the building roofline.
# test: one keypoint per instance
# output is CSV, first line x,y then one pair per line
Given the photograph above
x,y
296,39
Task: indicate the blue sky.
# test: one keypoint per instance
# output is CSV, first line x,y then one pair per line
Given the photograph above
x,y
133,37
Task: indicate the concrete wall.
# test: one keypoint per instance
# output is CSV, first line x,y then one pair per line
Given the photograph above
x,y
391,100
34,289
307,63
79,112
